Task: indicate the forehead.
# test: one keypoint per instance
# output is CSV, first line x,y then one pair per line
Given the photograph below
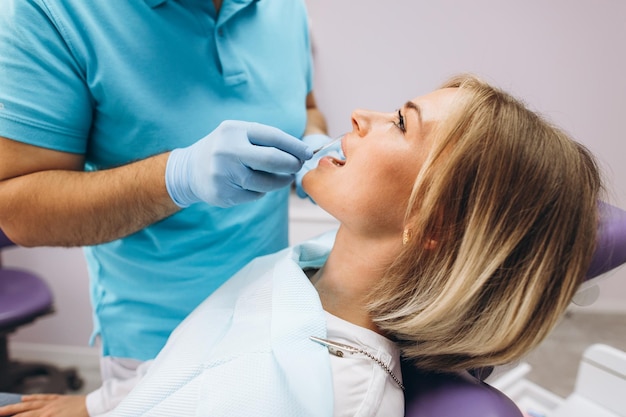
x,y
437,104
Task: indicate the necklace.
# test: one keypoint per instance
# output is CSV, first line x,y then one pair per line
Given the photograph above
x,y
338,349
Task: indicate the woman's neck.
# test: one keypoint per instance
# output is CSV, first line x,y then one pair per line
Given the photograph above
x,y
354,266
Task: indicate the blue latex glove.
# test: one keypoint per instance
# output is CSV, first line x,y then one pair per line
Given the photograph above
x,y
315,141
236,163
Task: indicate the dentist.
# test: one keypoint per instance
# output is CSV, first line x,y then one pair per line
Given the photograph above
x,y
159,135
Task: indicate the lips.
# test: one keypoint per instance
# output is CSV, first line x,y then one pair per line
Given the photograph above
x,y
344,154
337,162
340,158
338,155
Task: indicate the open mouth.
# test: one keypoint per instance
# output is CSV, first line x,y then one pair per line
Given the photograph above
x,y
335,154
339,157
337,162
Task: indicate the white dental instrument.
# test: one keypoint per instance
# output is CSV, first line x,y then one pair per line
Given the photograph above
x,y
329,144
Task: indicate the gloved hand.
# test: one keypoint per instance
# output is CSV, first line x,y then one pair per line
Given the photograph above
x,y
315,141
236,163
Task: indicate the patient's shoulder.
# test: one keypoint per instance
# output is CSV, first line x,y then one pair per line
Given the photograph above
x,y
363,383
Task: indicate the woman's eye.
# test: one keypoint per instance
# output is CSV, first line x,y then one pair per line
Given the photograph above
x,y
400,122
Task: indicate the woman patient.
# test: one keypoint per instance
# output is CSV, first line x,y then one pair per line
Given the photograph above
x,y
467,223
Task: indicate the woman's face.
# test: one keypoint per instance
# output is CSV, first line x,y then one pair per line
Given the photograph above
x,y
384,153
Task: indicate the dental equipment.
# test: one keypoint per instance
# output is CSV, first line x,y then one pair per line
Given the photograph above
x,y
329,144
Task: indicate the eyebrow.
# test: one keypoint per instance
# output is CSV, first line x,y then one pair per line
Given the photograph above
x,y
413,106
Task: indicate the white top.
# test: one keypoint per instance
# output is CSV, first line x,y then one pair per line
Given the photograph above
x,y
361,386
246,351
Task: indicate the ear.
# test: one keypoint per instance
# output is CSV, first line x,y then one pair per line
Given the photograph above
x,y
406,235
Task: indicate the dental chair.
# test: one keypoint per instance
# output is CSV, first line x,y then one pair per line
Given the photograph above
x,y
598,392
25,297
466,394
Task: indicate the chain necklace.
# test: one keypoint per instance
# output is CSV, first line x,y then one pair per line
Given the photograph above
x,y
339,349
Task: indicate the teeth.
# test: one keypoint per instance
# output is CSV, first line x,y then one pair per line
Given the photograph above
x,y
338,158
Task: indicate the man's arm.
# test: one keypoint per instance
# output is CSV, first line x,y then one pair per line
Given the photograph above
x,y
315,121
47,200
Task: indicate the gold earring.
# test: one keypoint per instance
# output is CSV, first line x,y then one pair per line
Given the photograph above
x,y
406,235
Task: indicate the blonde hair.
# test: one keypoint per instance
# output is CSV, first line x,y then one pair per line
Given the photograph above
x,y
511,204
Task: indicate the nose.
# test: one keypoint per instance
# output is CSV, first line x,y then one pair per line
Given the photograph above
x,y
362,121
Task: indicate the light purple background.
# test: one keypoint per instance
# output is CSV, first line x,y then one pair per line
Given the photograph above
x,y
567,59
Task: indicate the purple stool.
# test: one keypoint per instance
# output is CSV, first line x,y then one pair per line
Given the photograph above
x,y
463,395
23,298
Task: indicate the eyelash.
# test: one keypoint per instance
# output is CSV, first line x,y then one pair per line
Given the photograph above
x,y
400,123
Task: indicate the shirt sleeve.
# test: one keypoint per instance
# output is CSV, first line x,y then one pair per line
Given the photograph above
x,y
44,100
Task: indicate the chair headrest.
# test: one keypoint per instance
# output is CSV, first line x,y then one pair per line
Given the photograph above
x,y
611,246
4,240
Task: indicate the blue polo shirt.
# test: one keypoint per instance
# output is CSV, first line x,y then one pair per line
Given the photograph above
x,y
120,81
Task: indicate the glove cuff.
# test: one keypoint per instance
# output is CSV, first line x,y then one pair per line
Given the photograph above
x,y
177,179
315,140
